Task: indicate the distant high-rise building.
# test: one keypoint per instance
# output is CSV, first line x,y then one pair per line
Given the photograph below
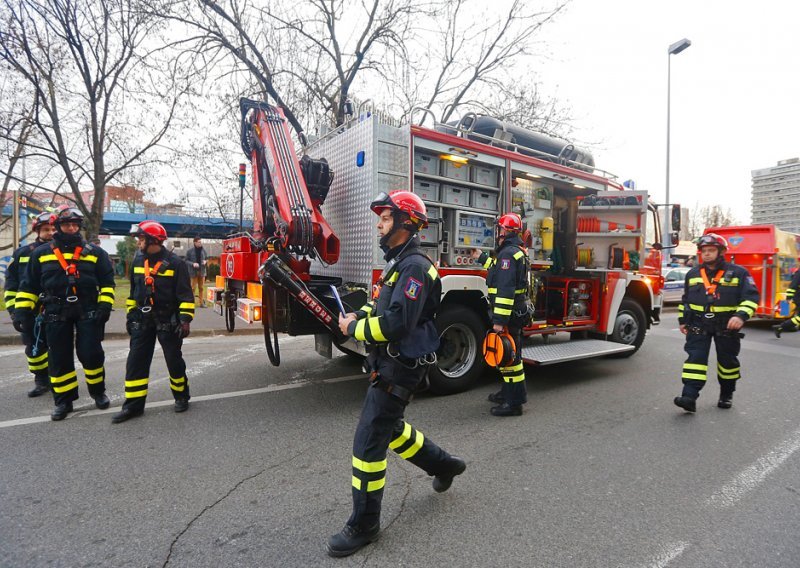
x,y
776,195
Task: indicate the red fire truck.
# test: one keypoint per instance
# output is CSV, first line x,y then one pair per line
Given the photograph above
x,y
770,255
595,280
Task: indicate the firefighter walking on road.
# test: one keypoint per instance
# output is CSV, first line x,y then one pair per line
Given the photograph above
x,y
718,298
35,342
160,306
398,325
507,283
793,295
76,281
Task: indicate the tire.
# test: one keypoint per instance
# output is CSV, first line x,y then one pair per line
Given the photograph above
x,y
630,327
459,359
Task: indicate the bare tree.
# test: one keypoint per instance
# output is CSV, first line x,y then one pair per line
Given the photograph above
x,y
702,217
101,102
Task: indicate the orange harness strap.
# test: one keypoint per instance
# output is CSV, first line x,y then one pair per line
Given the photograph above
x,y
70,268
711,287
148,278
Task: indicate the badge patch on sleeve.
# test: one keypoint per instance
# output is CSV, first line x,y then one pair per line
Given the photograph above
x,y
413,288
505,264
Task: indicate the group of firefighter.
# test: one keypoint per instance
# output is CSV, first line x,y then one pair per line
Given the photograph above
x,y
60,293
63,286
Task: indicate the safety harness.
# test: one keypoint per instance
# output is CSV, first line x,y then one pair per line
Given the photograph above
x,y
71,270
149,285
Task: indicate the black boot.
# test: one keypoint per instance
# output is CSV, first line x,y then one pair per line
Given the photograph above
x,y
725,400
38,390
101,401
778,329
443,481
125,414
60,411
686,403
181,404
506,410
497,397
351,539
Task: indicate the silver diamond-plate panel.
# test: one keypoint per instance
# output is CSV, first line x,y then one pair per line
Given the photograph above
x,y
570,350
353,189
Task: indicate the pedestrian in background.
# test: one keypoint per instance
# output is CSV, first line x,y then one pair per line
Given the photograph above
x,y
36,341
718,298
197,258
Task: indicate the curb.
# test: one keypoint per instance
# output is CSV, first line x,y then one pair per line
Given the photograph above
x,y
17,340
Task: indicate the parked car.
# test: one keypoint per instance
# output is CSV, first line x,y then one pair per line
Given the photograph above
x,y
673,284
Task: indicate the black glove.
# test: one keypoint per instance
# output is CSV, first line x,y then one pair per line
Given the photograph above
x,y
102,314
183,330
15,321
25,323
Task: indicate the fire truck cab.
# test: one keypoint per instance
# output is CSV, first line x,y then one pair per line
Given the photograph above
x,y
595,280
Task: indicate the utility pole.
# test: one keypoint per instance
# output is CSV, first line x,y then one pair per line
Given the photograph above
x,y
15,217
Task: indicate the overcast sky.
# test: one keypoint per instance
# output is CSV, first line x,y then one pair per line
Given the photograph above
x,y
735,91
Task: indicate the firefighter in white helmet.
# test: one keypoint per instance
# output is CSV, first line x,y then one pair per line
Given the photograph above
x,y
718,298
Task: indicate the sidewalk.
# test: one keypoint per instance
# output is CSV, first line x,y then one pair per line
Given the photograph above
x,y
206,323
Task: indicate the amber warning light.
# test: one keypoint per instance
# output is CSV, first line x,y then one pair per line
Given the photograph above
x,y
242,174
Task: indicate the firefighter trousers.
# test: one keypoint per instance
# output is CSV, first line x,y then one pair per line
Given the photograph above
x,y
792,324
695,368
86,335
36,353
380,428
514,390
140,356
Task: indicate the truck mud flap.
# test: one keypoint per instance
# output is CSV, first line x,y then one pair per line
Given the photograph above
x,y
550,353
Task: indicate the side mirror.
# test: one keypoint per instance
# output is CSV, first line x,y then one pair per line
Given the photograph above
x,y
676,218
674,239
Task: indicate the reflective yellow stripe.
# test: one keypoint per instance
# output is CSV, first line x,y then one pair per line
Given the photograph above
x,y
93,371
433,273
696,280
62,378
140,270
393,278
9,294
136,382
107,290
23,259
37,359
369,467
402,438
694,367
130,302
374,324
27,296
186,306
716,309
502,312
491,290
488,263
38,367
67,387
68,256
375,485
504,301
178,385
136,394
23,304
519,254
419,439
749,303
105,299
693,376
521,291
94,376
356,483
375,329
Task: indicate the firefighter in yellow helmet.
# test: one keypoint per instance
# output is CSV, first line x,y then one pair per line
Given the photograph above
x,y
507,283
398,326
35,342
160,306
718,298
76,281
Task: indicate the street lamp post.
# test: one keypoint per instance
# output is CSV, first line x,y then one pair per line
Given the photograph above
x,y
674,49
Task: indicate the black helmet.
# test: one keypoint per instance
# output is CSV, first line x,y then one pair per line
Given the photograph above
x,y
67,214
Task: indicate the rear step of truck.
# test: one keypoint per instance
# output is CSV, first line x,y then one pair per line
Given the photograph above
x,y
547,354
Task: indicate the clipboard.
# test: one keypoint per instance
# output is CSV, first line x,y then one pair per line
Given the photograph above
x,y
338,299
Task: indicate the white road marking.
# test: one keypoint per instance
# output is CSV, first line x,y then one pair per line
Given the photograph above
x,y
667,555
751,477
195,399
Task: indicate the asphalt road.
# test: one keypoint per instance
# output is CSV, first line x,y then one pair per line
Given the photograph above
x,y
602,470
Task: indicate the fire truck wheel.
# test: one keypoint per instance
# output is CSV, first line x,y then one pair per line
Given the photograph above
x,y
629,327
459,358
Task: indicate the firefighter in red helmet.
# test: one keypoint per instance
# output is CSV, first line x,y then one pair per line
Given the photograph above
x,y
718,297
402,338
160,306
35,342
76,282
507,284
